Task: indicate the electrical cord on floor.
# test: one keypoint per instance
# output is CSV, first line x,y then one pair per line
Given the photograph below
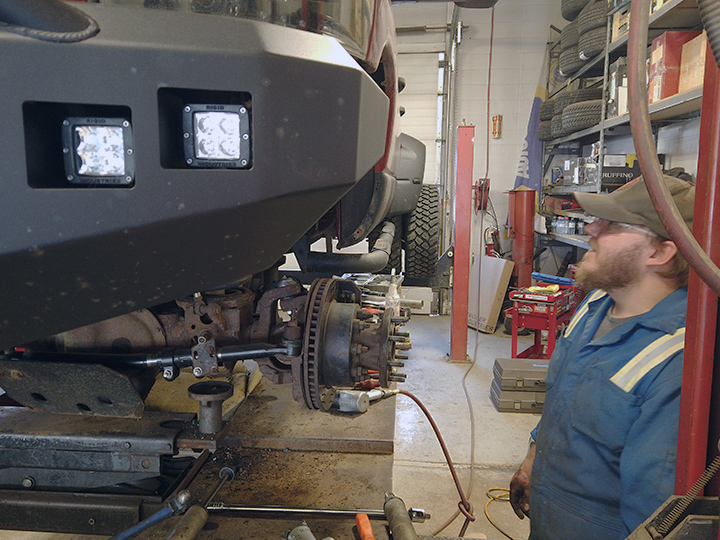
x,y
464,505
503,497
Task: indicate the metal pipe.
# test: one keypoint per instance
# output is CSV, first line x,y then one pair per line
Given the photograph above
x,y
176,505
647,154
371,262
416,515
400,525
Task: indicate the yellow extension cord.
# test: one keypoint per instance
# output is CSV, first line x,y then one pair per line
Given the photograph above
x,y
503,497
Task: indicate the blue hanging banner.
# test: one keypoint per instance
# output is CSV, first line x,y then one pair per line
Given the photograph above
x,y
529,170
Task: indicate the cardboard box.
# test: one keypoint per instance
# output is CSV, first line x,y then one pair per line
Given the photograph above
x,y
620,168
618,88
493,285
692,63
665,64
620,23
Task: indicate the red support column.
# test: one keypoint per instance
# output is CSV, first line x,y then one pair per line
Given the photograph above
x,y
700,337
461,257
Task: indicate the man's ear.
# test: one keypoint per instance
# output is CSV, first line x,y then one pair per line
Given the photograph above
x,y
663,253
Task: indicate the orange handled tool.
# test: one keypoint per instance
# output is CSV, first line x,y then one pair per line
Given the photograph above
x,y
363,526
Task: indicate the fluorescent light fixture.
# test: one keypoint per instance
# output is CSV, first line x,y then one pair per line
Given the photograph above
x,y
98,150
216,136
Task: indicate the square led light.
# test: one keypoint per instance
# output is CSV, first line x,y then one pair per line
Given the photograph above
x,y
98,150
216,136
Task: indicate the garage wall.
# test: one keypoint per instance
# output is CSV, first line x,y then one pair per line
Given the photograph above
x,y
521,32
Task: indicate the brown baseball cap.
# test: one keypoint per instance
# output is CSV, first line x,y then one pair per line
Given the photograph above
x,y
631,204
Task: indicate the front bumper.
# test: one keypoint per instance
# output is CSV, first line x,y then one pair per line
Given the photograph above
x,y
71,255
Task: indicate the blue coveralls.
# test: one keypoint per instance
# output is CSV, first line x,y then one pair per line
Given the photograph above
x,y
606,442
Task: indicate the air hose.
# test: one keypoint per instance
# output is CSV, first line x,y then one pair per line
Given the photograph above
x,y
645,145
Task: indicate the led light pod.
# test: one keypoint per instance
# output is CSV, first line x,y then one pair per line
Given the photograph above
x,y
216,136
98,150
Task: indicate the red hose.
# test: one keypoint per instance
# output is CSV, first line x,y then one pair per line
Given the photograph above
x,y
647,154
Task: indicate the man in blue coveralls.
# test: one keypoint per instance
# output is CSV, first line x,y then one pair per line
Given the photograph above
x,y
602,458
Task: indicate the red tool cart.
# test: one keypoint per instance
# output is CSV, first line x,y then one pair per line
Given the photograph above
x,y
540,311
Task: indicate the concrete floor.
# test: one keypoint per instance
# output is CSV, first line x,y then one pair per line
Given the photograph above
x,y
420,475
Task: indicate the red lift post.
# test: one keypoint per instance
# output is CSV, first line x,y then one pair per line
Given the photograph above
x,y
699,429
461,257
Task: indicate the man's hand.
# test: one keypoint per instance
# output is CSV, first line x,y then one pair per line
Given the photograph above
x,y
520,485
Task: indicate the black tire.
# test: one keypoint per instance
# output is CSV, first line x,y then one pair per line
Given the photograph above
x,y
422,235
573,96
584,114
592,43
545,130
395,260
547,110
569,36
570,61
592,16
556,126
570,9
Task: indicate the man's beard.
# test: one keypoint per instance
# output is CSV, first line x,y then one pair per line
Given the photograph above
x,y
615,271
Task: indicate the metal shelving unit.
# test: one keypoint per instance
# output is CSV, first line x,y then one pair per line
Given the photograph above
x,y
672,15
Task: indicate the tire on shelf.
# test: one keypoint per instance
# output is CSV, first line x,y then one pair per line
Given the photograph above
x,y
545,130
556,126
581,115
593,15
547,109
570,61
570,9
395,260
592,43
573,96
422,235
569,36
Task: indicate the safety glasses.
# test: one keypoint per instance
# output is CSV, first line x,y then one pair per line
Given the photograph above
x,y
603,226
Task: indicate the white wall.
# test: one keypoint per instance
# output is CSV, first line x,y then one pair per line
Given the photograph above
x,y
521,32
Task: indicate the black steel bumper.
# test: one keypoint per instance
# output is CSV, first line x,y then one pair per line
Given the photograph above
x,y
71,255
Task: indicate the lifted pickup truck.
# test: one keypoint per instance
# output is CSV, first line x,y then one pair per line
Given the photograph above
x,y
160,157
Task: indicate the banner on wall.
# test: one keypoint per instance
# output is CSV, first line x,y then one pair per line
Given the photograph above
x,y
529,170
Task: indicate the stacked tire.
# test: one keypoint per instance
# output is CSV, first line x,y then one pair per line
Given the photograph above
x,y
547,111
592,32
581,115
560,127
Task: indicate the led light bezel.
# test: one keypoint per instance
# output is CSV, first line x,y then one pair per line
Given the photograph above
x,y
72,159
243,162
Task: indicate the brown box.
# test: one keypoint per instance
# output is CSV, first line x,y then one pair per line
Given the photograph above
x,y
493,285
692,63
665,64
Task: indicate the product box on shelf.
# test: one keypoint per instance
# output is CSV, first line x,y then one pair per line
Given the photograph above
x,y
617,88
620,22
558,203
692,63
665,59
620,168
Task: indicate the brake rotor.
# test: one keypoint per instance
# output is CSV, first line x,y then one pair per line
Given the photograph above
x,y
343,344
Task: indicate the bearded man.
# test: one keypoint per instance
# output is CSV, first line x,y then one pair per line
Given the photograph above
x,y
602,458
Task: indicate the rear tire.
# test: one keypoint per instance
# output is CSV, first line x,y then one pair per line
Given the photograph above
x,y
422,230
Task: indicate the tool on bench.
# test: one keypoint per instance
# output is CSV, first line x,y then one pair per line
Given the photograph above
x,y
363,526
